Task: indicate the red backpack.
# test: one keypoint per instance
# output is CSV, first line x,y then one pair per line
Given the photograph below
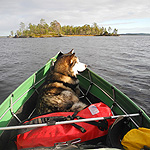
x,y
49,136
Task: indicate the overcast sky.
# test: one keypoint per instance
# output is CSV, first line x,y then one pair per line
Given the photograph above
x,y
128,16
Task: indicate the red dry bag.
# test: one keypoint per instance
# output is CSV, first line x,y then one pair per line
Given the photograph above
x,y
48,136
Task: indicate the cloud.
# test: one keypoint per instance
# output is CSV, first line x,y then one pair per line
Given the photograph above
x,y
72,12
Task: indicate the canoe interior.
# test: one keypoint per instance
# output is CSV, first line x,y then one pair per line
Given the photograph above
x,y
22,101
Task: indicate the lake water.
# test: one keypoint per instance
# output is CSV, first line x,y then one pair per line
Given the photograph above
x,y
124,61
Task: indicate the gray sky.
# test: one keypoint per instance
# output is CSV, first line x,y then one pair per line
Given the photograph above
x,y
128,16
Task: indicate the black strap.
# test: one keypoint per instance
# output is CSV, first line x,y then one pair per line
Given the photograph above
x,y
102,125
79,127
73,116
73,124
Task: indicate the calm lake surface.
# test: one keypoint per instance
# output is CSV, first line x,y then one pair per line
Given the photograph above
x,y
124,61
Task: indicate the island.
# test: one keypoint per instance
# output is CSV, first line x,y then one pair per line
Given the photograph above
x,y
44,30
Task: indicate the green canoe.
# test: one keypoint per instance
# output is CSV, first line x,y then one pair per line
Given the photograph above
x,y
20,104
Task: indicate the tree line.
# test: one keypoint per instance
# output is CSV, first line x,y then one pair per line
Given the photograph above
x,y
55,29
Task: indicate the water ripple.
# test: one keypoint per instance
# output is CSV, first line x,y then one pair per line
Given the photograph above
x,y
123,61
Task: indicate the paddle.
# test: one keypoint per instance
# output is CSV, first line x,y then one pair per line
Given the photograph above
x,y
65,122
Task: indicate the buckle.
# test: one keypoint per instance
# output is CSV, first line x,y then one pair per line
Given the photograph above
x,y
67,143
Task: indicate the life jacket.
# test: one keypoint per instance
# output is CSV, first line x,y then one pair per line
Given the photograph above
x,y
50,136
137,139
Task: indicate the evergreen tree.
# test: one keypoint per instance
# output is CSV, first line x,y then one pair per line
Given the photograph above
x,y
43,29
55,25
11,33
22,27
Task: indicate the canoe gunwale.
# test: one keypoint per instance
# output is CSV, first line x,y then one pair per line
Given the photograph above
x,y
114,102
12,104
138,122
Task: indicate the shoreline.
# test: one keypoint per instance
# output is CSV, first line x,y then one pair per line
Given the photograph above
x,y
50,36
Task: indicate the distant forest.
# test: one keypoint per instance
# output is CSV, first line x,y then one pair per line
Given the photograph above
x,y
55,29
